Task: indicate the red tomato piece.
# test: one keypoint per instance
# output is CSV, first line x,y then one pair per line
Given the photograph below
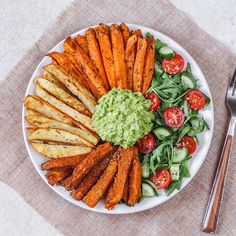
x,y
173,117
161,178
195,99
146,144
189,143
173,65
155,100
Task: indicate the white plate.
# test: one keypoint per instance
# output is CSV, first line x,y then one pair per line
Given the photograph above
x,y
198,157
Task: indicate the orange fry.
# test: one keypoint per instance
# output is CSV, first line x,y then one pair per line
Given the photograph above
x,y
99,189
139,65
135,179
125,32
126,191
82,42
119,56
90,179
149,64
82,169
138,32
95,55
115,192
70,45
107,56
55,176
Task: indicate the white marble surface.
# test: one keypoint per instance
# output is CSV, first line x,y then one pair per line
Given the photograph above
x,y
23,22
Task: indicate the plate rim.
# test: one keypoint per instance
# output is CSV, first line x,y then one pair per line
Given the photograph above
x,y
133,210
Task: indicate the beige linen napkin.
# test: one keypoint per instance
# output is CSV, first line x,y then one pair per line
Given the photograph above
x,y
183,214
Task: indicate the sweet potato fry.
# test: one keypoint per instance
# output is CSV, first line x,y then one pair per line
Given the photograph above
x,y
119,56
81,40
149,64
95,55
101,186
70,45
139,65
135,179
82,169
73,85
116,190
63,96
138,32
90,179
95,81
130,53
39,105
55,176
125,32
107,56
126,191
69,161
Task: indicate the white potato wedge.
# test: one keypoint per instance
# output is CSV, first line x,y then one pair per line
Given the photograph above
x,y
39,105
57,151
64,96
84,120
73,85
55,135
44,122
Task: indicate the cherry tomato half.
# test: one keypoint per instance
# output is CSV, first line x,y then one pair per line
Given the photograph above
x,y
161,178
173,117
147,143
189,143
173,65
155,101
195,99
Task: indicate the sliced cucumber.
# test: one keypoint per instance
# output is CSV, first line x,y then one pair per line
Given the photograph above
x,y
187,80
147,190
166,52
145,170
162,133
158,70
174,170
179,154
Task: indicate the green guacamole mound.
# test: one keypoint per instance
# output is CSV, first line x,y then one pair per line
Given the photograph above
x,y
122,117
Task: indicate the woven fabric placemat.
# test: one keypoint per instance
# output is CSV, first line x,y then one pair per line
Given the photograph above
x,y
183,214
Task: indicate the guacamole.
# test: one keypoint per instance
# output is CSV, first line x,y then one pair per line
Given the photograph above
x,y
122,117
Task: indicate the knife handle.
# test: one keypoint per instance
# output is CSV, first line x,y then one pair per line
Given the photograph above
x,y
213,207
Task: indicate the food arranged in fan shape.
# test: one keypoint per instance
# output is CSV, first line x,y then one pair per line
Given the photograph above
x,y
117,114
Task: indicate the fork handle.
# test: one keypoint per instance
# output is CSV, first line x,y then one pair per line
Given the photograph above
x,y
213,207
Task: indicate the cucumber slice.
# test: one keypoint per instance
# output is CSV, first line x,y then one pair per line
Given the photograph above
x,y
179,154
166,52
187,80
162,133
158,70
145,170
147,190
174,170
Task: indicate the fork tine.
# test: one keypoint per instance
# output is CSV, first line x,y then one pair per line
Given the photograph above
x,y
232,83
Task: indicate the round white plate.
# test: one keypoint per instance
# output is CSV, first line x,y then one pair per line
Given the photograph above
x,y
195,163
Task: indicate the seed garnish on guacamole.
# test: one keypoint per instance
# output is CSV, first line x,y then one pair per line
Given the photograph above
x,y
123,117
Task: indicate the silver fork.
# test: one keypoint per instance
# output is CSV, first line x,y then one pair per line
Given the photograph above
x,y
213,207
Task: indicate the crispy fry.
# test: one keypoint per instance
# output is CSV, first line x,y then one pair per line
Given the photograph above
x,y
73,85
149,64
95,55
119,56
39,105
135,179
41,121
126,191
69,161
55,135
95,81
57,151
31,129
55,176
70,45
130,52
74,114
107,56
99,189
125,32
138,32
64,96
90,179
139,65
116,190
81,40
82,169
